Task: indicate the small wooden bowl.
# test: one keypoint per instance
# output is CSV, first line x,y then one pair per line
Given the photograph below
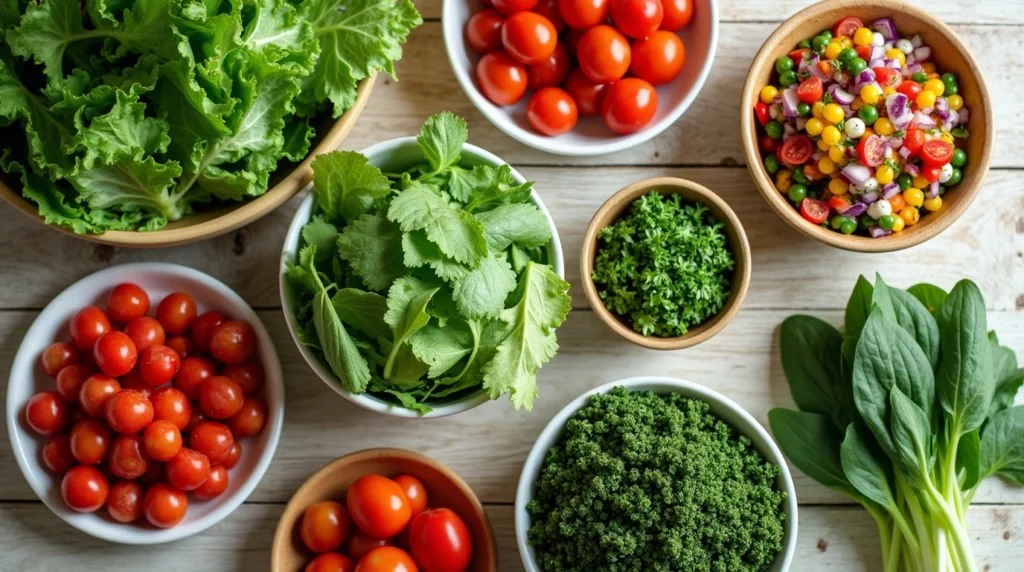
x,y
209,223
949,53
444,489
615,207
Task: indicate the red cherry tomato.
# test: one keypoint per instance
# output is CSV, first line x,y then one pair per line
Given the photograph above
x,y
164,505
115,354
847,26
96,390
196,418
637,18
203,326
331,562
629,105
838,202
583,14
798,55
250,419
70,380
188,469
133,380
603,54
378,506
89,441
128,458
767,144
156,473
248,375
58,356
158,365
483,31
84,489
46,413
678,14
863,52
529,37
659,58
440,541
124,503
129,412
162,440
814,210
192,374
233,342
549,9
552,111
183,346
57,453
214,485
871,150
87,326
145,332
797,150
572,40
170,404
761,112
212,439
911,89
914,139
127,302
551,72
414,491
936,153
233,456
324,526
810,90
887,77
513,6
387,559
587,94
360,544
931,174
176,312
220,397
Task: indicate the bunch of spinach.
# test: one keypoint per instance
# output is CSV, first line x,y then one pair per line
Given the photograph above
x,y
430,283
906,411
127,114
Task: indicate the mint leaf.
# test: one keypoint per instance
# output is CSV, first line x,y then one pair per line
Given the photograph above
x,y
521,224
346,185
482,293
441,139
457,233
373,247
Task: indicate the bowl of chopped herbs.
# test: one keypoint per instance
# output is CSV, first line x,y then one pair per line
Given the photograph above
x,y
655,473
665,263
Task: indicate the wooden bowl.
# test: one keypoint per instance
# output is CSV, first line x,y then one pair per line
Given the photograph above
x,y
444,489
615,207
226,217
949,53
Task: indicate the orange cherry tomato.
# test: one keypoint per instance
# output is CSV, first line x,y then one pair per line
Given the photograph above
x,y
549,9
552,111
188,469
387,559
583,14
414,491
483,31
637,18
57,453
659,58
172,405
233,342
360,544
248,375
331,562
233,456
603,54
440,541
84,489
158,365
378,506
250,419
89,441
176,312
164,505
127,302
46,413
324,526
220,397
529,37
587,94
212,439
551,72
513,6
124,503
145,332
629,105
502,79
214,485
162,440
678,14
115,353
128,412
128,458
58,356
87,326
192,374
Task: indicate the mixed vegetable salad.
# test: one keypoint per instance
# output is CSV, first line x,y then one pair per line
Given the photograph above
x,y
860,131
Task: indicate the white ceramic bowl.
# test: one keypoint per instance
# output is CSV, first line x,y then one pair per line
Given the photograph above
x,y
590,136
28,378
395,155
723,407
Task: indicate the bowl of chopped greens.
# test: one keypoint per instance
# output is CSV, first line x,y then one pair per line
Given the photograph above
x,y
655,473
665,263
159,122
424,276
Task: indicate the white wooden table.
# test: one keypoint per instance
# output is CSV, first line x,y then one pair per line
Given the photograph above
x,y
488,445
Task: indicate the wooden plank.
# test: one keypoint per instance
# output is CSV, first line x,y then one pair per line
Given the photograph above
x,y
841,539
488,445
790,271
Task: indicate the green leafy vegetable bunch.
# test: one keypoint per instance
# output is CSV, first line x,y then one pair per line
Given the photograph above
x,y
430,283
906,410
126,114
665,266
641,482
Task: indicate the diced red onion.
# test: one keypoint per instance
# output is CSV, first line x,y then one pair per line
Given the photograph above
x,y
815,70
788,131
886,27
916,41
853,210
933,190
866,77
911,59
856,173
954,118
868,198
912,169
922,53
851,152
898,109
894,64
890,190
879,63
801,122
789,102
888,148
896,143
817,155
773,112
923,120
878,232
904,152
876,54
889,45
914,68
964,115
942,108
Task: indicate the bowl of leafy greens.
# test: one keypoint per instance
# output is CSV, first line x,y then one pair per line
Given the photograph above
x,y
424,276
161,122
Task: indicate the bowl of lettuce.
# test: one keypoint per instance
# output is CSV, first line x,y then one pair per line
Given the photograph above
x,y
161,122
424,276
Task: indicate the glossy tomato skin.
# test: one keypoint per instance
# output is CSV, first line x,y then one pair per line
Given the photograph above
x,y
233,342
936,153
58,356
89,441
677,14
188,469
129,412
46,413
847,26
96,390
502,79
183,345
583,14
325,526
551,72
440,541
176,312
145,332
387,559
158,365
172,405
115,353
629,105
549,9
483,31
603,54
212,439
233,456
127,302
133,380
57,455
814,210
84,489
248,375
214,485
797,150
164,506
587,94
659,58
331,562
86,326
378,506
192,374
203,327
529,37
220,397
414,491
871,151
128,458
250,419
914,139
637,18
513,6
162,440
360,544
552,111
124,503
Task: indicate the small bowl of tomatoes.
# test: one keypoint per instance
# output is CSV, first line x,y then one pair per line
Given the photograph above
x,y
581,77
384,509
145,403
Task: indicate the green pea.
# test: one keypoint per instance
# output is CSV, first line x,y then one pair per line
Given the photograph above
x,y
905,181
784,63
949,78
773,129
959,158
942,190
787,78
887,222
804,44
837,221
856,65
919,77
847,55
797,192
818,43
954,179
849,226
804,109
771,164
950,89
868,114
827,34
865,222
799,176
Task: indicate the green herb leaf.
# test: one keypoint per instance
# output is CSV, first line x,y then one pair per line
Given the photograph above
x,y
911,433
1006,374
864,465
324,236
812,443
965,384
418,251
482,293
928,294
442,348
915,318
858,307
521,224
407,304
487,187
1002,445
809,348
346,186
363,311
373,246
960,132
441,139
455,231
339,350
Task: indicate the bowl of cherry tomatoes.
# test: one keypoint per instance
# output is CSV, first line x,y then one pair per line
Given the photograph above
x,y
145,403
384,510
581,77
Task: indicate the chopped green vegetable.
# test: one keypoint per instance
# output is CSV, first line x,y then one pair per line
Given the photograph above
x,y
665,266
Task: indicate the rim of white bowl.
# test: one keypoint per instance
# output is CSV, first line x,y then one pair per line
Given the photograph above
x,y
127,533
552,144
290,251
659,384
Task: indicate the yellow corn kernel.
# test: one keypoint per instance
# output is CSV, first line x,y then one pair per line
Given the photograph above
x,y
768,93
895,54
863,36
920,182
935,86
817,109
833,113
899,224
822,146
831,135
832,50
845,42
837,155
869,94
925,99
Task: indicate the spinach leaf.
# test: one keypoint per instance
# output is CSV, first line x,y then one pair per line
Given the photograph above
x,y
1007,376
913,317
811,350
1002,445
928,294
339,350
482,293
858,307
811,442
912,436
865,465
968,459
964,380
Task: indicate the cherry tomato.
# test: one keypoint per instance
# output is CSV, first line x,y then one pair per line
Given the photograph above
x,y
188,469
164,505
761,112
552,111
248,375
847,26
387,559
483,31
572,40
158,365
203,326
156,473
58,356
233,456
814,210
96,390
324,526
183,346
46,413
767,144
550,72
678,14
212,439
129,412
810,90
145,332
629,105
162,440
70,380
871,150
585,93
659,58
214,485
797,150
124,503
931,174
378,506
196,418
863,52
115,354
170,404
911,89
414,491
192,374
250,419
914,139
220,397
127,302
440,541
838,203
637,18
888,77
360,544
128,458
529,37
331,562
233,342
549,9
176,312
84,489
798,55
583,14
87,326
513,6
936,153
603,54
89,441
57,453
133,380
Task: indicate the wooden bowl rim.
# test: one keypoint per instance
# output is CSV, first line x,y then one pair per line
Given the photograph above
x,y
932,225
613,208
239,215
